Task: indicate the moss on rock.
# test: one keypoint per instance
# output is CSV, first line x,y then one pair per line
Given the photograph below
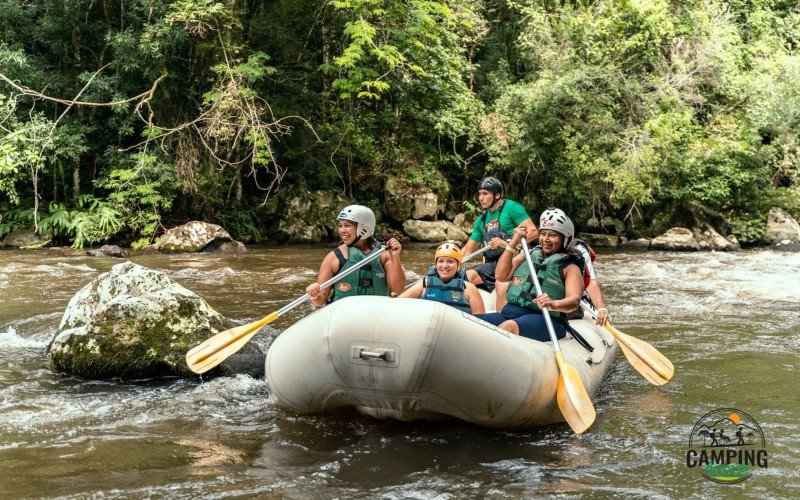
x,y
134,322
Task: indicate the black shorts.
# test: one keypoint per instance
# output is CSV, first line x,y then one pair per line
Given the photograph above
x,y
486,272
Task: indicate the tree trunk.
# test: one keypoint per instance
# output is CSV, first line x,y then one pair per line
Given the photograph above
x,y
76,182
238,187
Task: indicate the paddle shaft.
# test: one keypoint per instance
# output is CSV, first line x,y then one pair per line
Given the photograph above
x,y
339,276
477,252
571,395
291,305
589,309
545,312
299,300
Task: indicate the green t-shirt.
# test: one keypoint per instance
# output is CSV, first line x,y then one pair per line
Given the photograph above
x,y
507,217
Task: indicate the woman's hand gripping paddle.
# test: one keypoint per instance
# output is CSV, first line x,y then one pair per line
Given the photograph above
x,y
221,346
653,365
573,400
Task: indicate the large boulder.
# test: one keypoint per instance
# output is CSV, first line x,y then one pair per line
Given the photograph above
x,y
24,239
677,238
425,206
709,239
406,201
108,251
600,240
606,225
308,216
637,244
433,231
225,247
191,237
693,215
781,227
461,221
135,322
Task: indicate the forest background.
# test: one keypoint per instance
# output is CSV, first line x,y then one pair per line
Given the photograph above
x,y
120,118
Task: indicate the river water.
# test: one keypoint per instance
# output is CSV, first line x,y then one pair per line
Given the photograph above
x,y
730,323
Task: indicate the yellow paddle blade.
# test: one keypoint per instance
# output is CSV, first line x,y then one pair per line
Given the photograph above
x,y
218,348
573,400
653,365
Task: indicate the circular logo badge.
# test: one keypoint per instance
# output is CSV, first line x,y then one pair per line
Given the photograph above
x,y
517,280
727,445
343,287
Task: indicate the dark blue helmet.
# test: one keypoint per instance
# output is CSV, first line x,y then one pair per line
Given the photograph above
x,y
491,184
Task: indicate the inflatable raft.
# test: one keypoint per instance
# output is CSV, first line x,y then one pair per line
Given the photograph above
x,y
411,359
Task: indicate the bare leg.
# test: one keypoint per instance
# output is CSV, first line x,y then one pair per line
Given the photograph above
x,y
510,326
501,290
474,278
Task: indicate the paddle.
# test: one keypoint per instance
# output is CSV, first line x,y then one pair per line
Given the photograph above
x,y
468,257
218,348
573,400
653,365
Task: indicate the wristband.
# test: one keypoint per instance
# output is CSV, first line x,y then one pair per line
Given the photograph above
x,y
602,309
509,248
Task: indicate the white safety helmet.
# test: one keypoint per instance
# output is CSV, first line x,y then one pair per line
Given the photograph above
x,y
556,220
363,217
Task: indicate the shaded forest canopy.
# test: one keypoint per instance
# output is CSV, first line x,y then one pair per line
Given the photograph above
x,y
121,117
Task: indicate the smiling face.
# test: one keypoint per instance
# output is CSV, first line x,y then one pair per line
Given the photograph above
x,y
486,198
446,267
551,241
347,231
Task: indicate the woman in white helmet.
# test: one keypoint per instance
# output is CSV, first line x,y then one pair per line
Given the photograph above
x,y
447,282
384,276
559,269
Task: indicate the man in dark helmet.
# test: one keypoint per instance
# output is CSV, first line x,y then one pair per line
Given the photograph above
x,y
494,227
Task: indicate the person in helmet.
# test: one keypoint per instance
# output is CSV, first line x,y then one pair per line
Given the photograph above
x,y
446,282
494,227
384,276
558,267
590,283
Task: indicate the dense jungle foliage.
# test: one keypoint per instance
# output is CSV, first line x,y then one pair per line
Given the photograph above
x,y
121,117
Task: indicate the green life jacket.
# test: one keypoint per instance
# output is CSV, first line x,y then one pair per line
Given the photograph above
x,y
369,280
453,293
550,271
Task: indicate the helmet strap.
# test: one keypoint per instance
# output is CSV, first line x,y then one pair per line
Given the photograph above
x,y
496,203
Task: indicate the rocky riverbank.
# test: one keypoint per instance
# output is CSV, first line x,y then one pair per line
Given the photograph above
x,y
418,213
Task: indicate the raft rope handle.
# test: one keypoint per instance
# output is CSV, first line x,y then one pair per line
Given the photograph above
x,y
373,355
387,355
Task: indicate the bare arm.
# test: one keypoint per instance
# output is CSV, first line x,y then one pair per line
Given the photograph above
x,y
506,265
414,292
395,276
573,285
474,299
470,247
597,299
532,233
328,267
